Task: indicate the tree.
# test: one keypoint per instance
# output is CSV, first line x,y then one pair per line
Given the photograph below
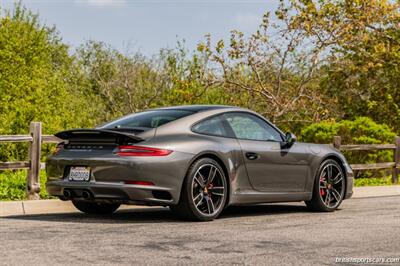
x,y
120,83
362,43
276,68
190,79
36,79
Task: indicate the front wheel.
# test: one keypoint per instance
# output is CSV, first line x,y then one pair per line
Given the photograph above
x,y
204,191
329,187
95,207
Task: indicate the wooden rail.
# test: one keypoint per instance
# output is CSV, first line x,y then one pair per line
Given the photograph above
x,y
395,165
35,140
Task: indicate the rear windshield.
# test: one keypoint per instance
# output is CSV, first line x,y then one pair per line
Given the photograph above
x,y
146,120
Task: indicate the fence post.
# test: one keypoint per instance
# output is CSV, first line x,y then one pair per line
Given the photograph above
x,y
337,141
396,156
33,178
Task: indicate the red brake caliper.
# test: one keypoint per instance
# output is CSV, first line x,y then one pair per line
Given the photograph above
x,y
321,190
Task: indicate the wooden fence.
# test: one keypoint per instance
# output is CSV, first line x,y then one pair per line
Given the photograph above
x,y
395,165
35,139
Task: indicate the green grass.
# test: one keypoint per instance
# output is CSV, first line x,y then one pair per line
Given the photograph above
x,y
13,185
362,182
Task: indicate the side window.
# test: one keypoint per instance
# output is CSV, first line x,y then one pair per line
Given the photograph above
x,y
251,127
212,126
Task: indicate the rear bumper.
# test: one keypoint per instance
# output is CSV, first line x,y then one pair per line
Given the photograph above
x,y
110,175
115,192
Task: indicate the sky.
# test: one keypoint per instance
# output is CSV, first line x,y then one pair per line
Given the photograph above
x,y
147,26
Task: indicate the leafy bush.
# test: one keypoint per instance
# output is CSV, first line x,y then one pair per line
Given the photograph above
x,y
13,185
362,130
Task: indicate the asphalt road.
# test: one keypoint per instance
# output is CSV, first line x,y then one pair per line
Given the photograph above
x,y
259,235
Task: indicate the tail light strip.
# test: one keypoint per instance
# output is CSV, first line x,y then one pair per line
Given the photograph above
x,y
141,151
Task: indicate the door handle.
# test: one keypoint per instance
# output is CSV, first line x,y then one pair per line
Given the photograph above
x,y
252,155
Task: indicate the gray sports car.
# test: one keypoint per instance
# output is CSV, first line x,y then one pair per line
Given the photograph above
x,y
197,160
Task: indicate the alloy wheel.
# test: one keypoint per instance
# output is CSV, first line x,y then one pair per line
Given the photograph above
x,y
331,185
208,189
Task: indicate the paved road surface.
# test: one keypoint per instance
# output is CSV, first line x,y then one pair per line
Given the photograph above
x,y
261,235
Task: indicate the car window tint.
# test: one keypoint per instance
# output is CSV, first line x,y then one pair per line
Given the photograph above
x,y
251,127
211,126
147,119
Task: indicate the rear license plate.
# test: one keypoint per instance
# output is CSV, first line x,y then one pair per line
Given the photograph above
x,y
79,173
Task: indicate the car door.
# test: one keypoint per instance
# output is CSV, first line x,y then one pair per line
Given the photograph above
x,y
269,166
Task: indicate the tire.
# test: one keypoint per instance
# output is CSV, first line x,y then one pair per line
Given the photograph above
x,y
329,187
95,207
204,192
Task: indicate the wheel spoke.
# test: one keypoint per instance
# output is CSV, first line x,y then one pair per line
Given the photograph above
x,y
217,194
197,197
211,174
337,181
215,188
210,206
329,170
200,201
201,183
336,195
328,198
338,178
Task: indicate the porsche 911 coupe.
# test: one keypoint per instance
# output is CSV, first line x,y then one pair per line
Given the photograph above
x,y
197,160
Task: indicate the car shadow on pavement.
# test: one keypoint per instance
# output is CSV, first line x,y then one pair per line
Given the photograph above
x,y
262,209
159,214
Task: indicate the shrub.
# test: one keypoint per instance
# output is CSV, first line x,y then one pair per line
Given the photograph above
x,y
362,130
13,185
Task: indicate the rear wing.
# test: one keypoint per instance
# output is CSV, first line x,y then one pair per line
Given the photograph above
x,y
97,135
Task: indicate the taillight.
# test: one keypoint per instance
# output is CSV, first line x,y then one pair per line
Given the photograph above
x,y
141,151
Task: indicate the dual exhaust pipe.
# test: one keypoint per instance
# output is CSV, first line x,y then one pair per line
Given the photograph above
x,y
69,194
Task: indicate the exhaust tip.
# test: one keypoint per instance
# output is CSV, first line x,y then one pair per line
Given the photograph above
x,y
67,193
86,195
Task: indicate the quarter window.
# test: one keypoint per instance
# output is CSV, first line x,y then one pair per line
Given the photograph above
x,y
212,126
251,127
148,119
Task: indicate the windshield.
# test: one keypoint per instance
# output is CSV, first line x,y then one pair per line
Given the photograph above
x,y
146,120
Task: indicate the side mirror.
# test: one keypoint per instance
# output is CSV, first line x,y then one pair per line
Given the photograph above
x,y
290,139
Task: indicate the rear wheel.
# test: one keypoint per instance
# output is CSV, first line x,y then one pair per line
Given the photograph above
x,y
329,187
204,191
95,207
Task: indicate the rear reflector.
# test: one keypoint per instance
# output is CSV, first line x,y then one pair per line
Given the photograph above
x,y
141,151
142,183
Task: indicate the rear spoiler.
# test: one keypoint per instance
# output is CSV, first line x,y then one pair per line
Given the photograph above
x,y
94,134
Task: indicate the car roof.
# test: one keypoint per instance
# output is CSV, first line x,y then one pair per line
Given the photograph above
x,y
196,108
